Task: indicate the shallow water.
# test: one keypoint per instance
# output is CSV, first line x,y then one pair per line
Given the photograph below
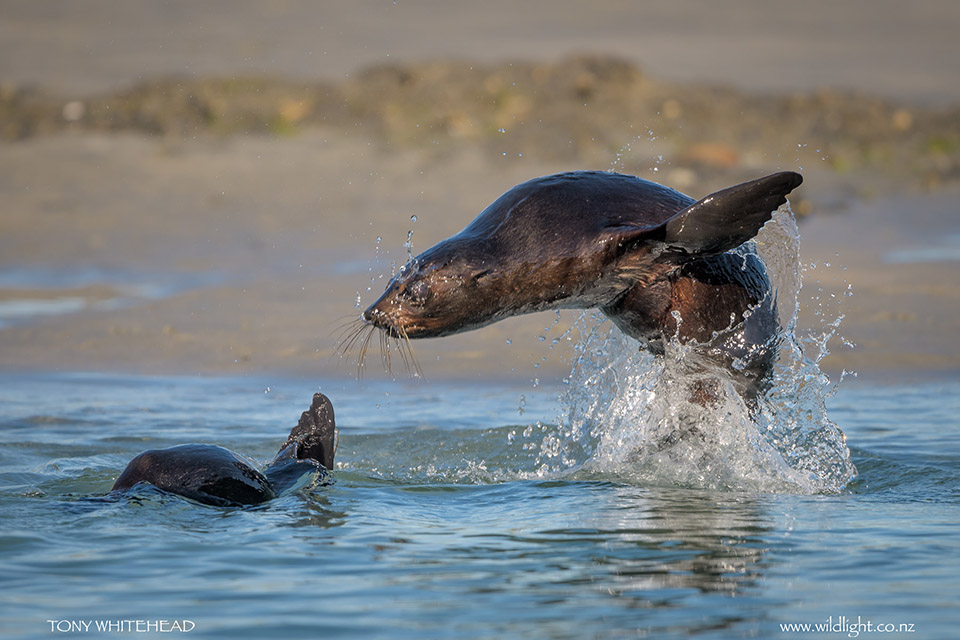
x,y
431,529
118,290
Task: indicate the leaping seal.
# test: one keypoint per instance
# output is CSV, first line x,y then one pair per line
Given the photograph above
x,y
657,263
217,476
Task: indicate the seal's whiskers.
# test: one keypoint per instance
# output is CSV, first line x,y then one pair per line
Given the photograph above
x,y
355,333
409,359
384,351
363,349
348,336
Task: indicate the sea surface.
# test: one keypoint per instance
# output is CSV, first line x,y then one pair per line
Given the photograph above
x,y
442,521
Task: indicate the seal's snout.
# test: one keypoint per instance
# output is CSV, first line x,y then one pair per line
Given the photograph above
x,y
376,316
385,314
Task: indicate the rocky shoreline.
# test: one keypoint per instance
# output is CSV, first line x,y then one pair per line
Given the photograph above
x,y
588,109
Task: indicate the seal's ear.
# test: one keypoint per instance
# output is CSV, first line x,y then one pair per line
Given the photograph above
x,y
726,219
316,433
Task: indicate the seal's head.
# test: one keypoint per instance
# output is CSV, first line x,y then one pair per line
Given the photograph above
x,y
538,246
441,292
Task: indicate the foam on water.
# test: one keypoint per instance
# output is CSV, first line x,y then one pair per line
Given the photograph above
x,y
627,413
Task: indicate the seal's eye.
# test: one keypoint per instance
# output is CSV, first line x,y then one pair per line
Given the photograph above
x,y
419,292
480,275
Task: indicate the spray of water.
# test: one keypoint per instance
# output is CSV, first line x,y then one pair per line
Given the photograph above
x,y
627,414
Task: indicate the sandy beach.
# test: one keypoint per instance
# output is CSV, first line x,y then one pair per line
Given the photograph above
x,y
180,196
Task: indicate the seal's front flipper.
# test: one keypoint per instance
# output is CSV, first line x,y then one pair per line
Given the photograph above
x,y
315,435
726,219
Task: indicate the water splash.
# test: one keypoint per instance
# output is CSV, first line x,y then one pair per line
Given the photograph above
x,y
627,413
373,278
408,245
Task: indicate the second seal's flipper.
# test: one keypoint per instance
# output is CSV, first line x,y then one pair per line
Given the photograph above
x,y
315,435
308,452
726,219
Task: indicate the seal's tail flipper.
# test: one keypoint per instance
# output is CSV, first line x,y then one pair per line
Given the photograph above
x,y
316,433
726,219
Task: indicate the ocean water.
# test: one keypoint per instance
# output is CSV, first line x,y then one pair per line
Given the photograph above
x,y
441,523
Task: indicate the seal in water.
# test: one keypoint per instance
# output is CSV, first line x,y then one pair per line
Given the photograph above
x,y
657,263
217,476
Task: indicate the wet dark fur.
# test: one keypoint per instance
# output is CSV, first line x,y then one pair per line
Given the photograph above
x,y
640,252
217,476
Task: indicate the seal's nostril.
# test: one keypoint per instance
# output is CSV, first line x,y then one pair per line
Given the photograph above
x,y
372,315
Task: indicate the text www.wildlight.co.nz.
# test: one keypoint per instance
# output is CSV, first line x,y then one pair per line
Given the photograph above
x,y
848,626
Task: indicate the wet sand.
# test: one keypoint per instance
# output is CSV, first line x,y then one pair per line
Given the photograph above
x,y
198,250
272,240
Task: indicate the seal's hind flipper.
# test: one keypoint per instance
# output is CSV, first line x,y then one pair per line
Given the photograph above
x,y
726,219
316,433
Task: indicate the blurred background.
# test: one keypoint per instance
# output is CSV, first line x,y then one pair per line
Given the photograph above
x,y
216,187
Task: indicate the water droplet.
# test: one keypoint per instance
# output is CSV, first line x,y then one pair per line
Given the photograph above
x,y
408,245
413,218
